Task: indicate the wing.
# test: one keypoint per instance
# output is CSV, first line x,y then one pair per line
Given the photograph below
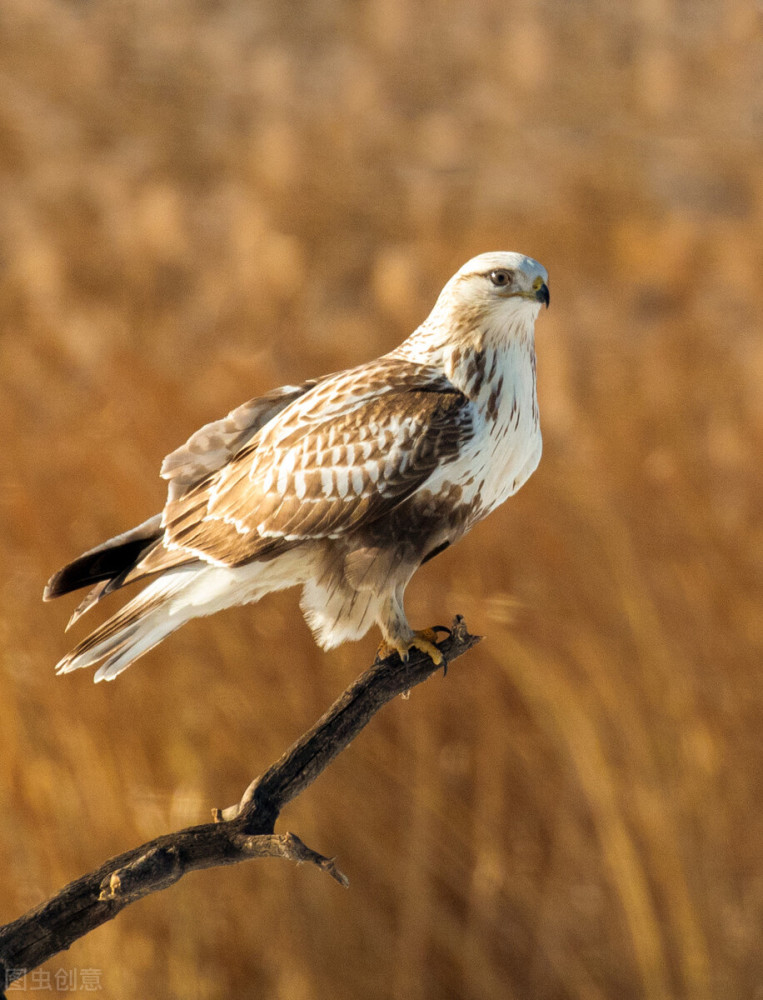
x,y
111,564
340,456
215,444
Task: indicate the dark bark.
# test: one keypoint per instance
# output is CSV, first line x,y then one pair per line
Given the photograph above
x,y
239,833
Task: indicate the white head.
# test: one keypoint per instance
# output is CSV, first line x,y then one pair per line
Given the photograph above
x,y
499,283
496,295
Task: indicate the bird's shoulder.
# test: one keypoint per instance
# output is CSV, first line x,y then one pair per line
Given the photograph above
x,y
359,416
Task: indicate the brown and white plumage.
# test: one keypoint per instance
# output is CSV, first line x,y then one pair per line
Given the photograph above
x,y
343,485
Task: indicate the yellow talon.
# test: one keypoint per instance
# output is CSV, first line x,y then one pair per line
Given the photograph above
x,y
423,640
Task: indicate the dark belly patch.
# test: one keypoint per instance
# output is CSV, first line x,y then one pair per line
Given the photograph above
x,y
423,525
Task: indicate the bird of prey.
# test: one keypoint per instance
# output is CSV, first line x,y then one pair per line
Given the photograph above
x,y
343,485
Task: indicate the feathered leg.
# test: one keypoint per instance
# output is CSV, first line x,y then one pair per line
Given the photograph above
x,y
399,637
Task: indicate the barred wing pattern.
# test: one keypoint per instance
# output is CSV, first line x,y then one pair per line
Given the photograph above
x,y
216,443
340,456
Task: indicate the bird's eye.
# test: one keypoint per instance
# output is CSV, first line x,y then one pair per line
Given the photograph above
x,y
501,277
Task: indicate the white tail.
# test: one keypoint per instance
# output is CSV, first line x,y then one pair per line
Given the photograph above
x,y
170,601
133,630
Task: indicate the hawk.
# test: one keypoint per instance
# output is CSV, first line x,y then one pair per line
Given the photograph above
x,y
343,485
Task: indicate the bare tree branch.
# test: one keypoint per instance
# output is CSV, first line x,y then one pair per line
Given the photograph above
x,y
239,833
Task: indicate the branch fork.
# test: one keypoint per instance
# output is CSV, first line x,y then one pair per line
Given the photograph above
x,y
238,833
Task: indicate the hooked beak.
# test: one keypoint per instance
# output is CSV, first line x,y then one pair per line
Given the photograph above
x,y
542,294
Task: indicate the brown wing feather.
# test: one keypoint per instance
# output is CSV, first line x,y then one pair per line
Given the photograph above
x,y
210,448
341,456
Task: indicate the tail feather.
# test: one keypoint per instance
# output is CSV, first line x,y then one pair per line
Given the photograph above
x,y
132,631
92,597
179,594
110,562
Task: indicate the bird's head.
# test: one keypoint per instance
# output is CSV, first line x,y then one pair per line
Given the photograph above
x,y
500,283
495,294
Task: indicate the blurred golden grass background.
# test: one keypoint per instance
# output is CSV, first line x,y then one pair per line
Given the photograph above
x,y
201,200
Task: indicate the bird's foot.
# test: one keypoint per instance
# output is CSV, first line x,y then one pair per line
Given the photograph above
x,y
424,640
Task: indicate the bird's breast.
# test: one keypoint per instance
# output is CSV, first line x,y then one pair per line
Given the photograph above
x,y
506,446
